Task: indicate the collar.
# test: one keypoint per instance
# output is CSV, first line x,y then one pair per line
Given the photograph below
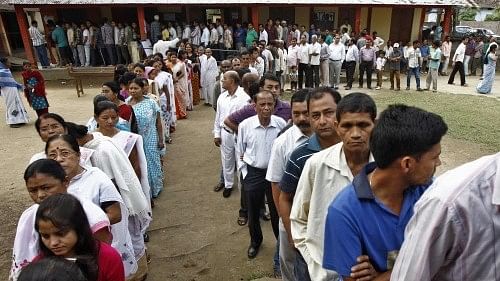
x,y
314,143
297,133
335,159
272,122
361,183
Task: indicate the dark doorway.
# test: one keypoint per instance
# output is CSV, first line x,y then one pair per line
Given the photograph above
x,y
128,14
282,13
401,23
72,15
12,29
346,14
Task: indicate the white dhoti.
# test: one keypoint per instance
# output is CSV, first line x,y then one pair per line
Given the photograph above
x,y
228,156
14,108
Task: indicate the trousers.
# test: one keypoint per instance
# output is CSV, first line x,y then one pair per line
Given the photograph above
x,y
228,158
335,68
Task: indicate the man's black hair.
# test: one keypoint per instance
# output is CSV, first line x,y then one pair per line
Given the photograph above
x,y
320,92
403,130
356,103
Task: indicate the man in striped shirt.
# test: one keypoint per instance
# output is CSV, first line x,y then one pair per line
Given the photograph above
x,y
39,43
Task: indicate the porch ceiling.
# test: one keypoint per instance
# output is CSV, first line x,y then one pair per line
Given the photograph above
x,y
252,2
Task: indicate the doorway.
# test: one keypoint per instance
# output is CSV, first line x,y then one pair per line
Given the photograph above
x,y
401,23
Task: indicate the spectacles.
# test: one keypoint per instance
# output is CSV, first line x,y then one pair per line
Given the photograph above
x,y
63,154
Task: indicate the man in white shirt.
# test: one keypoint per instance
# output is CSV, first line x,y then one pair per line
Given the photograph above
x,y
209,72
351,59
454,231
205,36
283,146
337,57
413,56
446,51
292,55
324,56
171,31
186,33
269,59
214,36
303,60
328,172
458,63
263,36
228,102
163,46
378,42
255,137
314,51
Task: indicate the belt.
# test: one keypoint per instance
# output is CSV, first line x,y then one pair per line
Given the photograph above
x,y
227,130
334,60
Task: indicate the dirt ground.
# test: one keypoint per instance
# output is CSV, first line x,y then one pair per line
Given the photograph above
x,y
194,235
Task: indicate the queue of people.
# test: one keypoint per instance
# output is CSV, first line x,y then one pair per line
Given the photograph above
x,y
94,186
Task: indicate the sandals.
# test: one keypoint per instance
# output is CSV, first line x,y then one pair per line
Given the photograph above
x,y
242,221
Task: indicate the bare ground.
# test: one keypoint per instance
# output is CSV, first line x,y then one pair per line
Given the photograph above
x,y
194,235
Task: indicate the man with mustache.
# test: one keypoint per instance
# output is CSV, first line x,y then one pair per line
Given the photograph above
x,y
325,174
283,146
321,105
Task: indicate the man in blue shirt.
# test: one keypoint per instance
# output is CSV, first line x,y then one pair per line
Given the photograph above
x,y
239,36
370,215
322,106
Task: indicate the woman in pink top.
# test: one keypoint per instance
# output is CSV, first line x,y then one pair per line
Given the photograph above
x,y
64,231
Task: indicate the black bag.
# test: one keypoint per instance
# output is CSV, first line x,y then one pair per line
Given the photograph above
x,y
485,60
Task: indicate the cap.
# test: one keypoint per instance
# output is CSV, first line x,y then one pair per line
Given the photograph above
x,y
396,45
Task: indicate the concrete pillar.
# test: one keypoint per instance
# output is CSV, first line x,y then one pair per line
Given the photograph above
x,y
254,11
447,20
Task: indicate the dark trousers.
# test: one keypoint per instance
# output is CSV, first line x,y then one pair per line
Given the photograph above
x,y
314,72
368,67
111,54
350,67
394,74
413,71
300,269
256,188
118,52
459,66
303,72
41,52
93,56
124,53
66,55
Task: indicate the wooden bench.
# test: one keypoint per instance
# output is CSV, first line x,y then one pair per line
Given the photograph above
x,y
80,73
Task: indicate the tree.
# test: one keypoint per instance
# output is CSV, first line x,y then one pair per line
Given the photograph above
x,y
495,16
467,14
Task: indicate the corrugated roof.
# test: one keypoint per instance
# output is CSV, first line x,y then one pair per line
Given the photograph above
x,y
250,2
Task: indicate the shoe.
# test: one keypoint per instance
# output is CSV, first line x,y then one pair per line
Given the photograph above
x,y
434,91
266,216
465,85
252,252
347,88
227,192
219,187
378,88
407,88
398,89
419,89
242,221
426,89
360,86
369,88
392,88
277,273
146,237
451,83
16,125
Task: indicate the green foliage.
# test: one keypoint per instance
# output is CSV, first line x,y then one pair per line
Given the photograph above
x,y
495,16
467,14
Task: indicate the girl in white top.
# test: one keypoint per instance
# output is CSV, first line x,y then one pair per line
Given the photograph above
x,y
44,178
90,183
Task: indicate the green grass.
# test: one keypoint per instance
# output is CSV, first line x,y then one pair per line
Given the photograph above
x,y
471,118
